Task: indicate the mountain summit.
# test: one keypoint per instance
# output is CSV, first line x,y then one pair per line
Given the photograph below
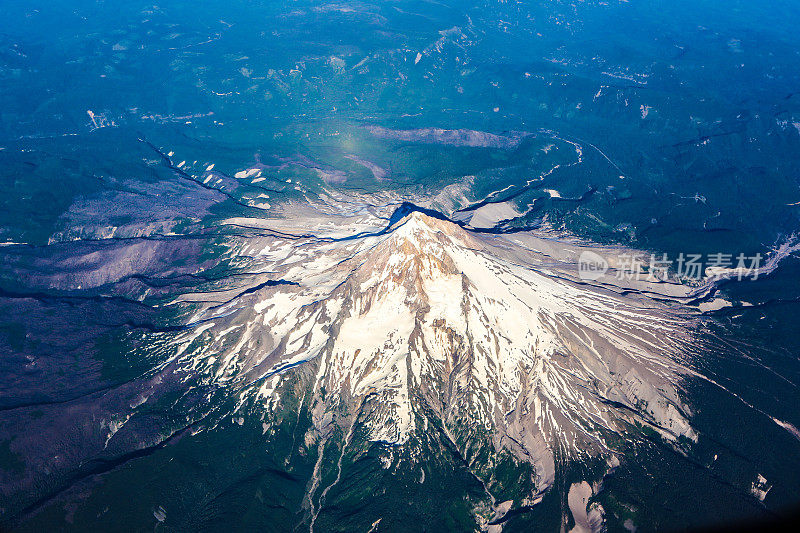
x,y
427,325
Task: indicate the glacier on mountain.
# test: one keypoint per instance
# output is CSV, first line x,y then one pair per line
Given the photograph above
x,y
425,318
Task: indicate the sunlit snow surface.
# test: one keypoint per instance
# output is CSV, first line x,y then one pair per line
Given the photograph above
x,y
497,329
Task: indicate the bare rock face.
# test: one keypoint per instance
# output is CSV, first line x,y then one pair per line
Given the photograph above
x,y
497,343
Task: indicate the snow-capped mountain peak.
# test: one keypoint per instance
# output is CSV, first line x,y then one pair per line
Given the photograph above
x,y
428,322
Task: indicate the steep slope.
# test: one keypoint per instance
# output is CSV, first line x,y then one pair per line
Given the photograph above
x,y
425,323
